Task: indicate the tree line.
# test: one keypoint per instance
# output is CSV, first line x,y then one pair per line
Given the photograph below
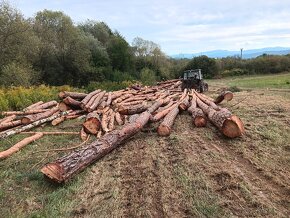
x,y
50,49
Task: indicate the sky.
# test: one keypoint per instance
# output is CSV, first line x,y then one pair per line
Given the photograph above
x,y
183,26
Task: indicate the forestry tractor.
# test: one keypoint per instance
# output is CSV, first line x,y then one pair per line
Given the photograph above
x,y
192,79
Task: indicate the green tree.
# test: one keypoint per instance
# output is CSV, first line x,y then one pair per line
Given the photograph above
x,y
207,65
147,76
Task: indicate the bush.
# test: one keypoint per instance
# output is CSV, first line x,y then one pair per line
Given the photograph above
x,y
18,75
108,85
17,98
147,76
234,72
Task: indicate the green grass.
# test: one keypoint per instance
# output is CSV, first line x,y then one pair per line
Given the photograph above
x,y
281,81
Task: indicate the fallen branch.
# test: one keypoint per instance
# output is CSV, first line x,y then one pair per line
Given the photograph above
x,y
19,145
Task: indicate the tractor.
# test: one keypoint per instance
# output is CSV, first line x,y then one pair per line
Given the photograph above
x,y
192,79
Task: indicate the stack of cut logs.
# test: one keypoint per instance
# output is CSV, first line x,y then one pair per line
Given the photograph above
x,y
115,116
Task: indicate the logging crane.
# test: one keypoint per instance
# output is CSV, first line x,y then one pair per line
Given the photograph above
x,y
192,79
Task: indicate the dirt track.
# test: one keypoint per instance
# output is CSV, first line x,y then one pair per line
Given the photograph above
x,y
197,172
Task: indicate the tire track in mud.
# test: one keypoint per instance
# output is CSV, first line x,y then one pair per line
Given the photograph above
x,y
264,188
140,183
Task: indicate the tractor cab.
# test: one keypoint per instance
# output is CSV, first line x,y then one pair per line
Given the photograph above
x,y
192,79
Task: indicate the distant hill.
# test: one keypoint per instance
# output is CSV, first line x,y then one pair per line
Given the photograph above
x,y
252,53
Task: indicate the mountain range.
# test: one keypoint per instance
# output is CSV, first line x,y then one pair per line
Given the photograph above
x,y
251,53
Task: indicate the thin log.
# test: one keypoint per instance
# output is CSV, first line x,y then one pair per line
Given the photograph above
x,y
34,117
89,96
206,101
19,145
225,95
164,129
184,104
35,105
119,118
111,125
47,105
105,120
27,112
52,133
96,102
29,126
92,123
74,95
109,100
198,117
7,119
10,124
134,109
72,102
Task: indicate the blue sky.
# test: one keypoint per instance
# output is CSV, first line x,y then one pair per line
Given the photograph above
x,y
183,26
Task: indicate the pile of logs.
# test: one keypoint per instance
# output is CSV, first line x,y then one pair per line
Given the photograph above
x,y
115,116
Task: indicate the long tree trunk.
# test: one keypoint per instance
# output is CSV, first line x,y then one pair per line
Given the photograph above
x,y
198,117
34,117
164,129
19,145
29,126
74,95
67,166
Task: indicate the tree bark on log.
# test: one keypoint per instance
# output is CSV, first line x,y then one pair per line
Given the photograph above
x,y
10,124
184,104
19,145
198,117
225,95
27,112
67,166
118,118
96,102
29,126
134,109
88,97
34,117
164,129
46,105
7,119
92,123
72,102
74,95
35,105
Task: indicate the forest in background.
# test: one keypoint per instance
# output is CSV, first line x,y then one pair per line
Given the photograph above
x,y
51,49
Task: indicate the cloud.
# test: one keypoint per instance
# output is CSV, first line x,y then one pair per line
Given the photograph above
x,y
183,26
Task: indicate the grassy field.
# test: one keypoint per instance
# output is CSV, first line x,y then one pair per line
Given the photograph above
x,y
279,81
195,172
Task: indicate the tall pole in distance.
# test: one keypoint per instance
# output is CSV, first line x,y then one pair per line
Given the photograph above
x,y
241,53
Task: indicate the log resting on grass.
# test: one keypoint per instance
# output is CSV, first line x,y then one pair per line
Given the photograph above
x,y
67,166
225,95
7,119
19,145
29,126
10,124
